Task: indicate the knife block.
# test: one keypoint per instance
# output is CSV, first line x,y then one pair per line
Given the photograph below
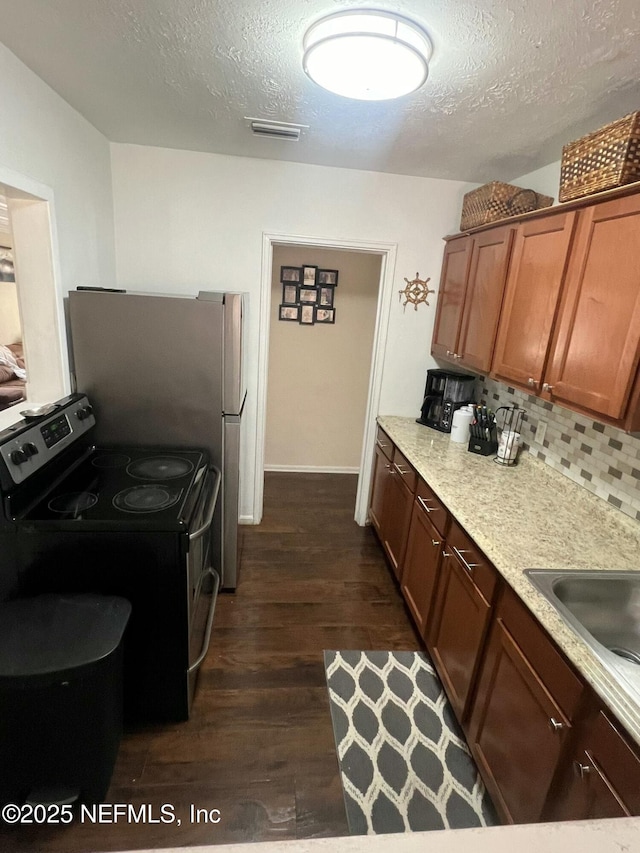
x,y
483,446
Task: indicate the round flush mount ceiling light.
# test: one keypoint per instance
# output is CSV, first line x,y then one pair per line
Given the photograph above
x,y
366,54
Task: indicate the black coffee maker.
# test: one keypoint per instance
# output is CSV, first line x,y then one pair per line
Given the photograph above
x,y
444,393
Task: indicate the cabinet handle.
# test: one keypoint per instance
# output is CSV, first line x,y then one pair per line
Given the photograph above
x,y
402,470
555,725
531,382
446,554
424,506
547,387
455,355
468,566
581,769
449,352
435,543
381,444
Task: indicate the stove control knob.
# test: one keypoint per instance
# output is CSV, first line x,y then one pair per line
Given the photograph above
x,y
83,413
29,448
18,456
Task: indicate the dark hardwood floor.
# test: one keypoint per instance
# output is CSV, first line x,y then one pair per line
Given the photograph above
x,y
259,746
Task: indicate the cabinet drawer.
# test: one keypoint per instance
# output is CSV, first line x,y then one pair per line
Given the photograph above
x,y
404,469
612,756
384,443
481,570
555,673
433,507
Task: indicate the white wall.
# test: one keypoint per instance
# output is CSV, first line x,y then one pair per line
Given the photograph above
x,y
319,374
545,180
46,144
186,221
42,137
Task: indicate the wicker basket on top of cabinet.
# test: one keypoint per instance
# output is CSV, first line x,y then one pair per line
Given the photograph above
x,y
602,160
497,200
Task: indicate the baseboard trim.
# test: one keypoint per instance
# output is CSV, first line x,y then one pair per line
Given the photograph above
x,y
312,469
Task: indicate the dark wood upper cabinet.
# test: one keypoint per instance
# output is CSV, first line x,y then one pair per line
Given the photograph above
x,y
538,263
472,282
483,300
596,345
453,284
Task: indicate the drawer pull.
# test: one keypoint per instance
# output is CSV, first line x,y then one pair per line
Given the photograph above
x,y
556,725
435,543
581,770
446,554
547,387
423,504
468,566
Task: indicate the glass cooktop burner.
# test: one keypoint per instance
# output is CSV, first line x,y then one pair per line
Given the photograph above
x,y
160,468
73,503
110,460
147,498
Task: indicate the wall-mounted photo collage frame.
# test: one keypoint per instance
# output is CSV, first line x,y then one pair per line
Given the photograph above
x,y
308,295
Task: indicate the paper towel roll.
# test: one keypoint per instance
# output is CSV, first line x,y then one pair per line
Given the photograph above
x,y
460,425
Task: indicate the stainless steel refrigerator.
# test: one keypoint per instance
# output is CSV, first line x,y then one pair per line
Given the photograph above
x,y
167,370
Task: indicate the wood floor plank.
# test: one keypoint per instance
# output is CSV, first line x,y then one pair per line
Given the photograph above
x,y
259,745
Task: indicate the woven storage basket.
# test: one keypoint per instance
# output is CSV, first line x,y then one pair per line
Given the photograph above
x,y
602,160
495,201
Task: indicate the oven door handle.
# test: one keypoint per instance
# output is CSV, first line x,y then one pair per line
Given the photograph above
x,y
212,608
211,508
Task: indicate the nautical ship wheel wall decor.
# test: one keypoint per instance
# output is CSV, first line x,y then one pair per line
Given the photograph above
x,y
416,291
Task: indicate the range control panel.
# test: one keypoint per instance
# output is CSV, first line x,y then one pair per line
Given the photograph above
x,y
35,441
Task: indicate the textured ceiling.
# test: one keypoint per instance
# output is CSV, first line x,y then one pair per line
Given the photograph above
x,y
510,80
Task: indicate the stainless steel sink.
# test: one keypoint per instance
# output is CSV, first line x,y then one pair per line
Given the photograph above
x,y
602,607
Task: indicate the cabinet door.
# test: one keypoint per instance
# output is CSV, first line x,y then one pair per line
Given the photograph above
x,y
460,620
396,519
538,261
381,476
483,300
421,565
453,282
601,778
516,730
596,344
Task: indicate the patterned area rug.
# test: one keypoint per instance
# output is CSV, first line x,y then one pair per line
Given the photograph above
x,y
404,763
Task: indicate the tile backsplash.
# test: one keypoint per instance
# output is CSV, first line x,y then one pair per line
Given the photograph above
x,y
604,460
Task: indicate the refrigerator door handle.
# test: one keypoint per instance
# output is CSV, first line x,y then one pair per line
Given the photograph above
x,y
211,508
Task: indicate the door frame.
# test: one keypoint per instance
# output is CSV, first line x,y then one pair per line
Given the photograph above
x,y
387,253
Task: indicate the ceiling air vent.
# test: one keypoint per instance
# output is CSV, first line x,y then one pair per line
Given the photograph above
x,y
276,129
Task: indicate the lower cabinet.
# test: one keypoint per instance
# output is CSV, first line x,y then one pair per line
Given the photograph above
x,y
526,700
392,491
383,457
601,776
423,555
461,616
544,744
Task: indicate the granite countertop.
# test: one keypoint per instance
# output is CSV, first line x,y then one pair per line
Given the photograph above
x,y
530,516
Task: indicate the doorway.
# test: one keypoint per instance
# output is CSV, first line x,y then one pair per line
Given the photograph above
x,y
387,255
40,302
